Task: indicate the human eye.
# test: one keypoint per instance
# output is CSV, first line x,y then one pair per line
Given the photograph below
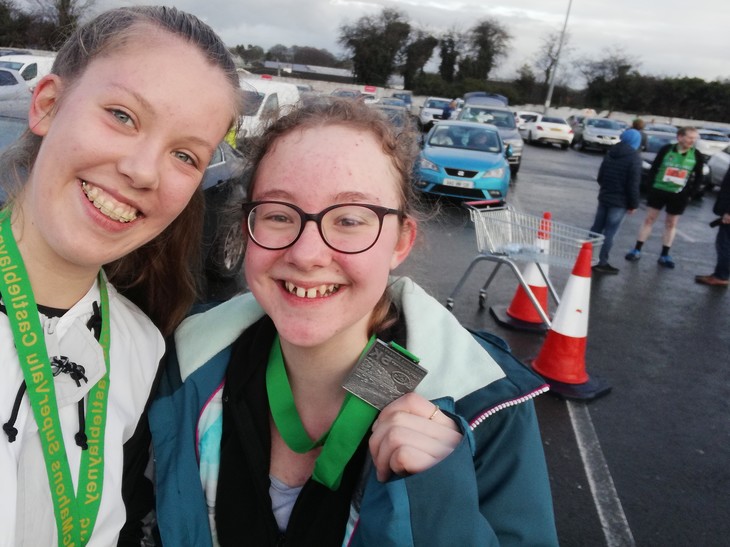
x,y
352,217
185,158
276,215
122,116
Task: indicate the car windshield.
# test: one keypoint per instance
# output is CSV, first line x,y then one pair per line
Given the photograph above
x,y
436,103
655,142
714,137
11,65
603,124
466,138
500,118
549,119
251,102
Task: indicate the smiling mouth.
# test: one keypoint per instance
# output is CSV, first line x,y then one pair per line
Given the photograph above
x,y
322,291
107,205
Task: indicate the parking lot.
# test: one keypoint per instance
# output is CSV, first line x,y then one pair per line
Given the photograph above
x,y
648,463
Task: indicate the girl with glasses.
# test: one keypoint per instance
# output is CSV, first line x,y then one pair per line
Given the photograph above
x,y
257,441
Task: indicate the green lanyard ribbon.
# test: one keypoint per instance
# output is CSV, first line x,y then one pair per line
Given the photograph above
x,y
338,443
75,512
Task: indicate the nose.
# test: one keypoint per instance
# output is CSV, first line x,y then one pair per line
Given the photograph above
x,y
310,250
141,165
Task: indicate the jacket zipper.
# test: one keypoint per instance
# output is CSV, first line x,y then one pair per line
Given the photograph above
x,y
506,404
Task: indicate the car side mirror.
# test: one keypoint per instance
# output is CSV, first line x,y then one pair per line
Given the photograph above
x,y
508,151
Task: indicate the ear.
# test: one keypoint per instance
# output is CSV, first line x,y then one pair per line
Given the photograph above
x,y
403,247
44,103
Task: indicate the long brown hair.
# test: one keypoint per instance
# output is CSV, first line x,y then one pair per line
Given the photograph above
x,y
161,277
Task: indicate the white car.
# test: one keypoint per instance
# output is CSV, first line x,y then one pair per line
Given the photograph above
x,y
525,116
598,133
718,163
549,130
432,110
12,86
30,67
711,142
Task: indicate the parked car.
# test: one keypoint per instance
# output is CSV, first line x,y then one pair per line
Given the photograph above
x,y
548,130
406,98
397,113
711,142
485,98
503,119
30,67
347,93
431,110
524,116
718,165
465,160
665,127
11,127
225,182
596,133
264,101
13,87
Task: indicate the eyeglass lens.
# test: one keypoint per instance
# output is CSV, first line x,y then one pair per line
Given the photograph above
x,y
347,228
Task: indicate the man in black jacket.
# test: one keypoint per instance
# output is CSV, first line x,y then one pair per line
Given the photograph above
x,y
721,276
675,176
619,177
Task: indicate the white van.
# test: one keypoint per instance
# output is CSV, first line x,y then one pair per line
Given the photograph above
x,y
264,102
31,67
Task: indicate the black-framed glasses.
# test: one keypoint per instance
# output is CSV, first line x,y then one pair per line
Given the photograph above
x,y
348,228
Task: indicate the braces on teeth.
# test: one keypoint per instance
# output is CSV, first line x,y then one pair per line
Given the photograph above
x,y
92,194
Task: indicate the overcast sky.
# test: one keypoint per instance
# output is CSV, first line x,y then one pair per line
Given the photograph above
x,y
667,37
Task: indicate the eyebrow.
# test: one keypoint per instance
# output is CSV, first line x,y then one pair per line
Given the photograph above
x,y
150,107
342,197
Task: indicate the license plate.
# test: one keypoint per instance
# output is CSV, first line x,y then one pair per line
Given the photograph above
x,y
459,183
555,129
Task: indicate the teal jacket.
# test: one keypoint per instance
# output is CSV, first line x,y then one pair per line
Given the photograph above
x,y
492,490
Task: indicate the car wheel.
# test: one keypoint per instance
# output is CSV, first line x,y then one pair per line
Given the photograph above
x,y
563,145
227,256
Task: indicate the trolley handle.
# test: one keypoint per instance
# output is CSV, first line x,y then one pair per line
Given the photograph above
x,y
483,204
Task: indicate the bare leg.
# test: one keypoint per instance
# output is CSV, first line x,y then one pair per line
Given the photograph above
x,y
649,220
670,229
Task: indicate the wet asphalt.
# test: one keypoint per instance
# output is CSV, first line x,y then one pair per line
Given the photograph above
x,y
658,339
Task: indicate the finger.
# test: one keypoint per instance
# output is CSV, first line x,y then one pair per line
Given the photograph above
x,y
397,444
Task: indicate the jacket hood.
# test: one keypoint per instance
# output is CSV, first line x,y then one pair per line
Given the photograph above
x,y
621,149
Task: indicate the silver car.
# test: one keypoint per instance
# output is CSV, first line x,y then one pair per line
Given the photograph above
x,y
718,164
596,133
504,120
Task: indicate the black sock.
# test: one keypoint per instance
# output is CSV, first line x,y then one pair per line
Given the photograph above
x,y
665,250
639,245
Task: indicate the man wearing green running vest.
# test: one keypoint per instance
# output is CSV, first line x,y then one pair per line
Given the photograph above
x,y
676,174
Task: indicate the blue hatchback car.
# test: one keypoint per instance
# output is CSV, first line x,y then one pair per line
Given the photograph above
x,y
466,160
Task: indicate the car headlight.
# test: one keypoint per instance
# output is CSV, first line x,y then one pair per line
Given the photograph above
x,y
516,143
494,173
423,163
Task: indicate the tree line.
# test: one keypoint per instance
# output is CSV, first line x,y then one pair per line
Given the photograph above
x,y
387,44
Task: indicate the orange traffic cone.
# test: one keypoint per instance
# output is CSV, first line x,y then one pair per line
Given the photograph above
x,y
561,360
522,313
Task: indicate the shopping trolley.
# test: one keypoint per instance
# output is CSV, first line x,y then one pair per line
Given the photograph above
x,y
507,236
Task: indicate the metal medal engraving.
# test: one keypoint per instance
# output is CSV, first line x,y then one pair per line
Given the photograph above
x,y
383,374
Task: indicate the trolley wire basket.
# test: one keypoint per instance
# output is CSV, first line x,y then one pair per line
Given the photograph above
x,y
503,231
506,236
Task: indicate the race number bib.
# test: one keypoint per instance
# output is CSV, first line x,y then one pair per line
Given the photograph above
x,y
676,176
